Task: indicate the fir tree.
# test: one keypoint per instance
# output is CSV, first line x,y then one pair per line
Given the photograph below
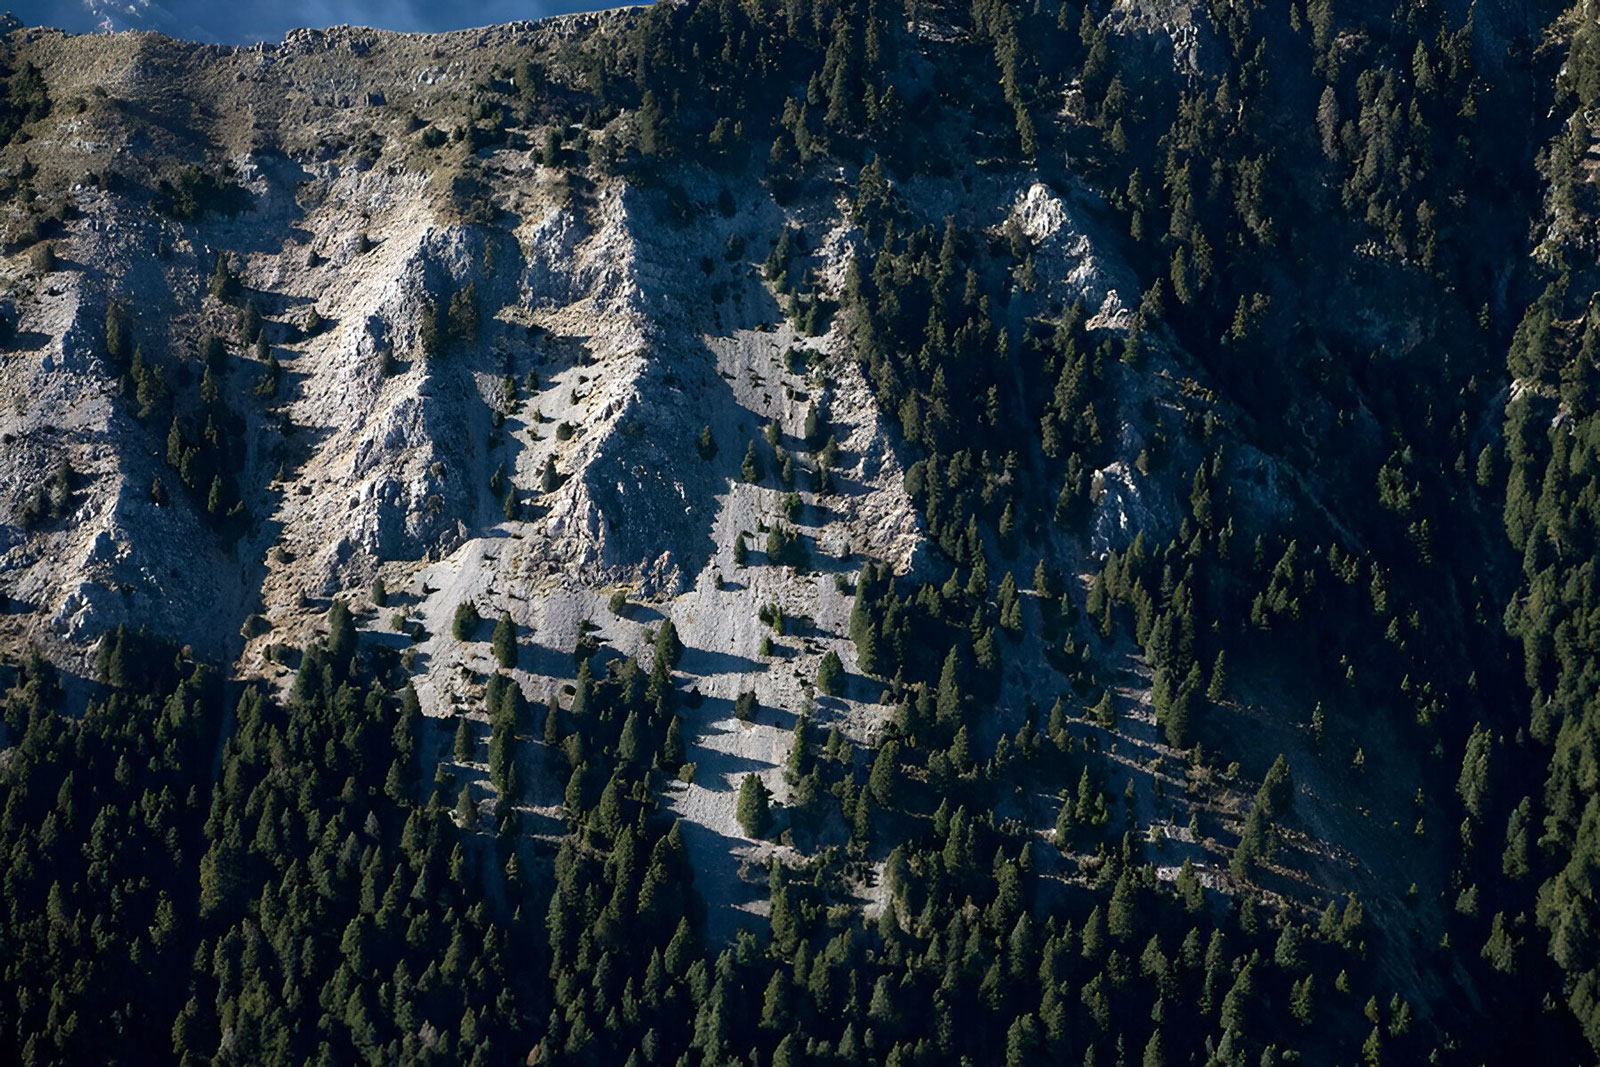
x,y
503,643
885,773
465,623
753,812
750,469
668,649
828,673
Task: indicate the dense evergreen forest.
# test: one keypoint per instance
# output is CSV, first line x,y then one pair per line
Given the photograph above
x,y
1329,214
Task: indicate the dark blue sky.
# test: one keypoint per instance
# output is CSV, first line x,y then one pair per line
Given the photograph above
x,y
248,21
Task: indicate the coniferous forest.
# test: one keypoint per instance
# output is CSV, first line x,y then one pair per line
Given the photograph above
x,y
1357,382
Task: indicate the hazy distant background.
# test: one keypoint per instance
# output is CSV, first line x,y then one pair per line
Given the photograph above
x,y
249,21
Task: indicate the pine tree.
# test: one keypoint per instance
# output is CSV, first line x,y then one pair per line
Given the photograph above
x,y
1252,844
1237,1003
631,745
1022,1041
503,643
799,755
867,651
828,672
582,695
861,822
224,286
752,811
885,772
1122,914
961,751
1010,604
1154,1051
1217,688
500,741
948,706
775,1012
1473,783
1514,858
1189,888
1105,713
1302,1000
1276,794
668,649
1501,948
672,749
551,734
1065,825
777,545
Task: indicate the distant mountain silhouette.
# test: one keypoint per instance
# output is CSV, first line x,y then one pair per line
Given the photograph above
x,y
247,23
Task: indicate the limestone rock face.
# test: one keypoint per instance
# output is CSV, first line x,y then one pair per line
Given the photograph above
x,y
482,359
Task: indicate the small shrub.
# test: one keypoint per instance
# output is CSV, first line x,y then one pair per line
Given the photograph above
x,y
223,285
466,621
193,191
430,337
462,315
745,707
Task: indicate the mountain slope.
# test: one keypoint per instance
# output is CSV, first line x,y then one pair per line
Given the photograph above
x,y
1056,453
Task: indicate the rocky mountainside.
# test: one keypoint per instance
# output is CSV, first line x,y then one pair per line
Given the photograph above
x,y
1090,421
